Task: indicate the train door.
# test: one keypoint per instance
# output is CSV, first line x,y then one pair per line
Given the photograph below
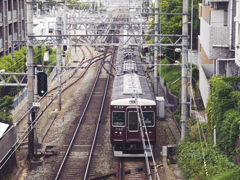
x,y
133,125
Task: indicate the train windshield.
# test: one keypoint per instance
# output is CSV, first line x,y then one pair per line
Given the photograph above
x,y
118,118
148,118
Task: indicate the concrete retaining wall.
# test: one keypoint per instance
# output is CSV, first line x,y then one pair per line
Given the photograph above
x,y
6,143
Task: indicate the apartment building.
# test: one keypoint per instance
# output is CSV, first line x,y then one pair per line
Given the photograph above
x,y
216,42
12,24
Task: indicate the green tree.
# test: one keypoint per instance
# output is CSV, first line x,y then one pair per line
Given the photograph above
x,y
6,104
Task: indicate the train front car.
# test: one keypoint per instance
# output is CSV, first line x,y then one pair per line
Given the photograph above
x,y
130,92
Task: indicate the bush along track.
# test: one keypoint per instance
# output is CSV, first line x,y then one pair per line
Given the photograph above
x,y
198,157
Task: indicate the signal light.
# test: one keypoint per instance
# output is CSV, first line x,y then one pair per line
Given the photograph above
x,y
63,54
64,47
42,83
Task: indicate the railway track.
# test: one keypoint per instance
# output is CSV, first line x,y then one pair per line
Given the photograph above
x,y
78,154
133,168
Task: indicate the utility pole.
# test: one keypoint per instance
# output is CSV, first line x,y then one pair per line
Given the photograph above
x,y
98,8
59,56
156,49
184,69
30,64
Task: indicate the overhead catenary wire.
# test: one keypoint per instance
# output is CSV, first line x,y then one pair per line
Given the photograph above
x,y
145,128
199,124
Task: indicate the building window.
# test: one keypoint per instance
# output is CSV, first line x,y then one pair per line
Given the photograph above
x,y
1,42
206,2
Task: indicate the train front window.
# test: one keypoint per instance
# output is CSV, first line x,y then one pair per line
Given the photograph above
x,y
118,118
148,118
133,121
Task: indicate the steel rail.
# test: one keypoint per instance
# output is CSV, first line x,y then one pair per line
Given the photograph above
x,y
14,147
79,123
99,117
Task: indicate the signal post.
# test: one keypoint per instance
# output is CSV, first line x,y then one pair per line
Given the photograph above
x,y
30,64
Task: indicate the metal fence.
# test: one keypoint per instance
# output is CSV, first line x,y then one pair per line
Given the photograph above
x,y
24,92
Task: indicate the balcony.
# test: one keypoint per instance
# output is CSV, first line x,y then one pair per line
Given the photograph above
x,y
214,36
9,15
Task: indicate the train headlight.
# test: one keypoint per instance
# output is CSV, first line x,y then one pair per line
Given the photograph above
x,y
149,132
120,132
116,132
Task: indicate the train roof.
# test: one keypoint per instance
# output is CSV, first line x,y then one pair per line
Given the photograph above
x,y
130,77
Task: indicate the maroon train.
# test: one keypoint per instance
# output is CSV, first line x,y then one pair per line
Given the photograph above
x,y
131,90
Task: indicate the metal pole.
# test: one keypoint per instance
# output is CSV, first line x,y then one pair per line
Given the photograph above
x,y
160,49
12,49
156,49
98,8
184,69
64,14
30,64
35,100
215,136
59,49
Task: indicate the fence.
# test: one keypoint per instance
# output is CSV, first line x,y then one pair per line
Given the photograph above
x,y
172,99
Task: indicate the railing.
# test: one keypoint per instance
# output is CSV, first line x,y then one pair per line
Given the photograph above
x,y
1,42
14,14
1,18
15,36
9,15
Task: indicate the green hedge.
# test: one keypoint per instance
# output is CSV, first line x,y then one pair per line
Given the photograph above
x,y
223,112
191,162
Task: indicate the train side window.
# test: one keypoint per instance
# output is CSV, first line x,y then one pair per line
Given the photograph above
x,y
118,118
148,118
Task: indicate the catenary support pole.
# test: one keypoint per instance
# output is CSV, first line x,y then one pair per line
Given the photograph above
x,y
30,64
59,57
184,69
156,49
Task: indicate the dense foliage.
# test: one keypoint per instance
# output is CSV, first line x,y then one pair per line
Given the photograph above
x,y
191,161
173,24
171,74
223,112
5,107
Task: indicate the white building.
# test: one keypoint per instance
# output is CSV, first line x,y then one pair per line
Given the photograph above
x,y
216,42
